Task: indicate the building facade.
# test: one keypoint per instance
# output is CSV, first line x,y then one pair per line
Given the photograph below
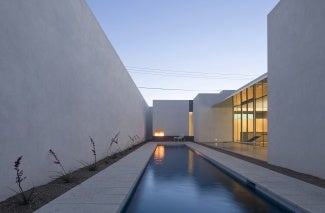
x,y
283,109
211,122
231,115
61,82
296,70
172,118
250,112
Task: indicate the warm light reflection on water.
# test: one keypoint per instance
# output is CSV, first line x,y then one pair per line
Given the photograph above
x,y
159,154
198,153
190,162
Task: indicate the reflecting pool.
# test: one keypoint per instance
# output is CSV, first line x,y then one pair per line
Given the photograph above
x,y
179,180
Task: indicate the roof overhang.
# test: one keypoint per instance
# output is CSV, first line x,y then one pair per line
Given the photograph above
x,y
242,88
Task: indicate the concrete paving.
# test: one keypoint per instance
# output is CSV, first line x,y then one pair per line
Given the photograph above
x,y
109,190
301,196
254,151
106,191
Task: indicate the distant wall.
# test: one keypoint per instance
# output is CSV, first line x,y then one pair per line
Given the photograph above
x,y
296,50
211,122
61,82
172,116
149,124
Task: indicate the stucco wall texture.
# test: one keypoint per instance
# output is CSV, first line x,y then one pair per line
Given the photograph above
x,y
296,50
61,82
213,123
172,116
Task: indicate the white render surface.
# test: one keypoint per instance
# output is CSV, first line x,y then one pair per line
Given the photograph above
x,y
213,123
108,190
296,50
172,116
61,82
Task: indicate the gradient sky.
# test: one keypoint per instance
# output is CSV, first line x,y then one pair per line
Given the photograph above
x,y
192,46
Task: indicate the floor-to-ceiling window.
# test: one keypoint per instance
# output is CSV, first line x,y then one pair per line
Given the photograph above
x,y
237,117
261,128
190,119
250,113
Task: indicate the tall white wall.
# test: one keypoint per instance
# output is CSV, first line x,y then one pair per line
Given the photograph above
x,y
212,122
172,116
296,67
149,124
61,81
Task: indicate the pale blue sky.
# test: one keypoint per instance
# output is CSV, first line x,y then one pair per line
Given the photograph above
x,y
200,45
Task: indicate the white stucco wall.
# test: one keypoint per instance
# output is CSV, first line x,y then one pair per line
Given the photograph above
x,y
171,116
296,67
61,82
149,124
212,122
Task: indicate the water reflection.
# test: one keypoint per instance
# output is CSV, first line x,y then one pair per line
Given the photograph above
x,y
159,154
178,180
190,162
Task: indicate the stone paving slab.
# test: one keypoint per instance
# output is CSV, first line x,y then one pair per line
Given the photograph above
x,y
302,196
108,190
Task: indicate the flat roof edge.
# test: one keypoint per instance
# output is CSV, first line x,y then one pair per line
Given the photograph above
x,y
263,76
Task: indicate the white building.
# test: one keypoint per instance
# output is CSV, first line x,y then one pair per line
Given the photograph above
x,y
296,69
61,82
172,118
212,122
283,109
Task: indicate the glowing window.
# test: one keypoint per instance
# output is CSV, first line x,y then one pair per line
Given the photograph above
x,y
159,132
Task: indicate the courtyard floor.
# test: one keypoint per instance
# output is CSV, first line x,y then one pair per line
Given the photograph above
x,y
109,190
254,151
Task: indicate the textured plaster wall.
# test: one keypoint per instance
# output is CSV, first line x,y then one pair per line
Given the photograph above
x,y
172,116
212,122
61,82
296,70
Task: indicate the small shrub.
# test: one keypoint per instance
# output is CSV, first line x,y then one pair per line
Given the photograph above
x,y
19,179
66,176
93,166
114,140
137,137
132,141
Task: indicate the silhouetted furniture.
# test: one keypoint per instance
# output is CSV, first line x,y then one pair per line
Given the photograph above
x,y
179,138
252,140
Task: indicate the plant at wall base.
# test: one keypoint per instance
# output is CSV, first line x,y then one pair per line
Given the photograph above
x,y
93,166
114,140
19,179
66,176
132,140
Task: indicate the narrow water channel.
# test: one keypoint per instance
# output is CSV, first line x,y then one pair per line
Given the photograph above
x,y
178,180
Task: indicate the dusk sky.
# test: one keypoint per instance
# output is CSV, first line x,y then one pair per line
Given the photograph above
x,y
175,49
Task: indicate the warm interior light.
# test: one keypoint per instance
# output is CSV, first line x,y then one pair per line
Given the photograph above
x,y
159,133
190,124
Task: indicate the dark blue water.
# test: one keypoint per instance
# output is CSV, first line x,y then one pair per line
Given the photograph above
x,y
178,180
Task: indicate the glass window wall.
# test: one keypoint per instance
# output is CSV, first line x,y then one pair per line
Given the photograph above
x,y
250,113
